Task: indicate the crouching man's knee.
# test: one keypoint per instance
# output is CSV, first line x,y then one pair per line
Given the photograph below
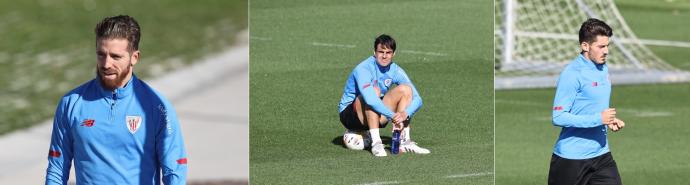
x,y
404,90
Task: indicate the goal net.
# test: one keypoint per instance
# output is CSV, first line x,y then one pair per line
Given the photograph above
x,y
535,39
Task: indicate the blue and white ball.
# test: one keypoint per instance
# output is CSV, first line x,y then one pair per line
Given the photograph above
x,y
357,140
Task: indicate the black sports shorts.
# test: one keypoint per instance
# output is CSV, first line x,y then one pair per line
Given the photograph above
x,y
595,171
348,118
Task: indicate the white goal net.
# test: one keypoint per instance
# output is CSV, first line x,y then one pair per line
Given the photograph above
x,y
535,39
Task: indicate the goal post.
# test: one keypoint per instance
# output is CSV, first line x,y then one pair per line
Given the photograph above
x,y
535,39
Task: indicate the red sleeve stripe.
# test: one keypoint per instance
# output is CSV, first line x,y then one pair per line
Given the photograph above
x,y
53,153
182,161
369,84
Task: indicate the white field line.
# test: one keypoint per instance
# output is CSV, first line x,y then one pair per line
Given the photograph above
x,y
665,43
353,46
547,118
636,113
469,175
333,45
402,51
644,113
654,114
448,177
423,53
653,42
380,183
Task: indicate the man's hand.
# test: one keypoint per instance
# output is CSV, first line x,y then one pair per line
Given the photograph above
x,y
398,119
617,125
608,116
613,127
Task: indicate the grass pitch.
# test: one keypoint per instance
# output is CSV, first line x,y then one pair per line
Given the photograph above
x,y
647,150
301,53
652,146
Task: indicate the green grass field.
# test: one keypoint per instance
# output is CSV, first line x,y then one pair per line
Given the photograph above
x,y
48,47
301,53
653,146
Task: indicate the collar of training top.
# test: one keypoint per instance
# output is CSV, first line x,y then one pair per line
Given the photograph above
x,y
590,64
381,68
121,92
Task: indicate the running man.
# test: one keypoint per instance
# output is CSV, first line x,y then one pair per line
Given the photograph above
x,y
376,92
581,107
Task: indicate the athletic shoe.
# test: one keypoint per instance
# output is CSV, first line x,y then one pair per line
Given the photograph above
x,y
378,149
411,147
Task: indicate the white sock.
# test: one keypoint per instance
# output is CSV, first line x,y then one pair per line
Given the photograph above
x,y
375,137
405,134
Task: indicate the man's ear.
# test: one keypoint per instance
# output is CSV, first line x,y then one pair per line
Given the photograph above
x,y
584,46
135,57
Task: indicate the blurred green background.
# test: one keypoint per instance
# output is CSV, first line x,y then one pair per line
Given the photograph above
x,y
47,46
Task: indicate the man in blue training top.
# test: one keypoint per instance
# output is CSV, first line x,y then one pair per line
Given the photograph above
x,y
115,128
581,107
370,101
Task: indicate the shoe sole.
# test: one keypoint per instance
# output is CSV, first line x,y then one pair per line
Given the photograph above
x,y
402,150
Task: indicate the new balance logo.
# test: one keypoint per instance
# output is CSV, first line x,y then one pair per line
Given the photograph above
x,y
88,122
558,108
182,161
594,84
53,153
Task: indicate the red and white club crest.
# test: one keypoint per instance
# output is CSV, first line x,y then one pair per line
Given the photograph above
x,y
133,123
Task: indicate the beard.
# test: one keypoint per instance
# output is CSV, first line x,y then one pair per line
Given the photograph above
x,y
597,59
601,60
112,84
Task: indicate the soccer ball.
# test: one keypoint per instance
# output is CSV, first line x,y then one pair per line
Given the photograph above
x,y
357,140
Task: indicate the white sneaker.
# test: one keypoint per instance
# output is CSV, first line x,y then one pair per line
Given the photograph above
x,y
378,149
411,147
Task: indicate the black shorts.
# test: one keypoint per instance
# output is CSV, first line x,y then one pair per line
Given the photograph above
x,y
594,171
348,118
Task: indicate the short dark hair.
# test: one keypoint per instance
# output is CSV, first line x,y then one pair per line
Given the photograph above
x,y
592,28
386,41
119,27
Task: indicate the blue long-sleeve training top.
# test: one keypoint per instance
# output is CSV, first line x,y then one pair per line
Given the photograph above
x,y
125,136
369,74
583,91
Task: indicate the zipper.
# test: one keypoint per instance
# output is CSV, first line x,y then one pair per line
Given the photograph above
x,y
112,107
